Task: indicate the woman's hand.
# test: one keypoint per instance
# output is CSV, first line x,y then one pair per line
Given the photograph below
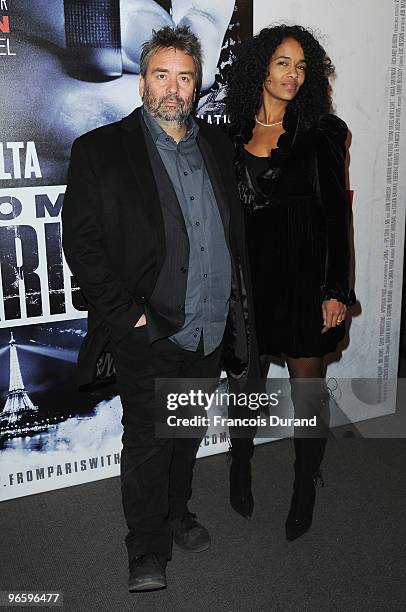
x,y
334,313
141,321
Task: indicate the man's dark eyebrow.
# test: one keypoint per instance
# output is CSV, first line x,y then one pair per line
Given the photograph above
x,y
166,70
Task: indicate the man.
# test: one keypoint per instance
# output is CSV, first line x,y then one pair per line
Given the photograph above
x,y
153,231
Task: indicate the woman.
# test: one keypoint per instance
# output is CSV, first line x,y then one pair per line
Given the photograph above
x,y
290,154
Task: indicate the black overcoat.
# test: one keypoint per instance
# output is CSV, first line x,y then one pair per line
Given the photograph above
x,y
114,240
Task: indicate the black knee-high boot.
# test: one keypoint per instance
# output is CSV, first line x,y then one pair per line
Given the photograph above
x,y
241,453
241,498
242,444
309,398
309,453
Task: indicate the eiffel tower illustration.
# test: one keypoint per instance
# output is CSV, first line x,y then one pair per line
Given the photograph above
x,y
18,405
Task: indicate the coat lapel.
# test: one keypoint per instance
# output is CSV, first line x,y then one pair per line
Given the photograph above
x,y
166,191
136,152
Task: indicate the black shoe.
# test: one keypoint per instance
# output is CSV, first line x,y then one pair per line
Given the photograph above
x,y
241,498
146,574
300,515
190,535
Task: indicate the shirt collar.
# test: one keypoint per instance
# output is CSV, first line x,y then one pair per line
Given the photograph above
x,y
158,133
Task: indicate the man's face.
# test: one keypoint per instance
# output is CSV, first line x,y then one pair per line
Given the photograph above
x,y
168,89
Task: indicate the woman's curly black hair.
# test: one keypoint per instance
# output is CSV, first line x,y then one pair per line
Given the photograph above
x,y
247,75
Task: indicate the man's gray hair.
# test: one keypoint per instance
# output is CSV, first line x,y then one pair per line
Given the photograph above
x,y
180,38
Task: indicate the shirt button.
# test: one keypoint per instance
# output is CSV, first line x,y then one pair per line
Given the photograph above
x,y
185,173
197,222
167,139
192,197
183,269
180,307
197,328
205,275
205,300
194,335
202,248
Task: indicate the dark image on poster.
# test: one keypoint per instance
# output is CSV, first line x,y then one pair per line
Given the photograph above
x,y
76,67
37,375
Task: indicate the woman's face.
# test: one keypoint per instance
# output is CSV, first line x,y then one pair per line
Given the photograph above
x,y
287,71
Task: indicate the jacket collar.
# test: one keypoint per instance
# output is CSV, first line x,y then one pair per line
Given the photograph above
x,y
136,153
131,122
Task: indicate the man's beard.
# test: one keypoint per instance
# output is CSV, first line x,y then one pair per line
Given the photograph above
x,y
177,115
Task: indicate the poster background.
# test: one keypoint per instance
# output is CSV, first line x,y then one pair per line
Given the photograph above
x,y
365,41
48,105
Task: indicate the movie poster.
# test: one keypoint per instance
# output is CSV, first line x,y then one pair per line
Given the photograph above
x,y
67,67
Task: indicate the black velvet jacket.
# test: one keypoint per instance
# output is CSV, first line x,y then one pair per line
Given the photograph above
x,y
297,217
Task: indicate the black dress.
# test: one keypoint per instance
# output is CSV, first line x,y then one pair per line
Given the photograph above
x,y
297,223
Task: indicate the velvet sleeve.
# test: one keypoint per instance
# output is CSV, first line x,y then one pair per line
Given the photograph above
x,y
331,134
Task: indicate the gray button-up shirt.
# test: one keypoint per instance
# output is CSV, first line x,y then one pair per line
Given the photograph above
x,y
209,271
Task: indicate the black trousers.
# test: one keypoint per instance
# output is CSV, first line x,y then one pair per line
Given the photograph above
x,y
156,473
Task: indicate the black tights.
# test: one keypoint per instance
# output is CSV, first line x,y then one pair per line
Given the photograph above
x,y
301,367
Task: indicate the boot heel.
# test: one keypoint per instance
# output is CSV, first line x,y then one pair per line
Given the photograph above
x,y
300,515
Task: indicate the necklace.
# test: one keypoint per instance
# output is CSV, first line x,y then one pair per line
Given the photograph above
x,y
267,124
